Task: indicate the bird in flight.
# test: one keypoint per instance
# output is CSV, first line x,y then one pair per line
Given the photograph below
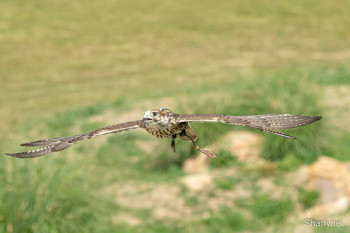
x,y
163,123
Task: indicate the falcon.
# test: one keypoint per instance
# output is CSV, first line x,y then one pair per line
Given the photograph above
x,y
163,123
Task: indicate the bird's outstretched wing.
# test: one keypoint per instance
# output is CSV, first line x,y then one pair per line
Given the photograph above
x,y
62,143
267,123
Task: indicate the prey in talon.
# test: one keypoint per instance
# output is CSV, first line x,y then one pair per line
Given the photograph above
x,y
163,123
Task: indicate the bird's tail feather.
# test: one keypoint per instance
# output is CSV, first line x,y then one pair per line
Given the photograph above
x,y
267,130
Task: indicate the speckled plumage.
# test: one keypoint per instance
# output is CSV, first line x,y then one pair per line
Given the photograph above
x,y
163,123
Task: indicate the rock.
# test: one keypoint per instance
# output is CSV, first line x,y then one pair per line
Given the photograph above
x,y
195,164
332,178
333,171
329,193
326,210
198,182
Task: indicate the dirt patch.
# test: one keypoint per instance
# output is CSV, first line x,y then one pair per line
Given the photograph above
x,y
126,218
169,201
162,199
339,55
245,145
147,146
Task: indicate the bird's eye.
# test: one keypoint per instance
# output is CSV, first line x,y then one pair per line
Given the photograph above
x,y
154,113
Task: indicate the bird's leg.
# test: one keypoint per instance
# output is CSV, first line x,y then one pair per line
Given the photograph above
x,y
173,142
206,152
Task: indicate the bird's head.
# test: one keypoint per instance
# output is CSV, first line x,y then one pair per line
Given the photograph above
x,y
157,116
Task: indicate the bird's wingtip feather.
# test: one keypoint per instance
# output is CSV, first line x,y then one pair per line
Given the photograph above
x,y
12,155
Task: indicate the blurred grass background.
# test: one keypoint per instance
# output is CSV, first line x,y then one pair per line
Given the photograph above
x,y
73,66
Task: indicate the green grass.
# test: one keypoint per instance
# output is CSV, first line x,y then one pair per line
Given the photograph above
x,y
229,220
266,209
226,159
341,229
272,210
50,195
227,183
55,49
65,63
308,198
290,163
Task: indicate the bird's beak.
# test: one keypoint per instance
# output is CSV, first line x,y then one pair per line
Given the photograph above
x,y
147,117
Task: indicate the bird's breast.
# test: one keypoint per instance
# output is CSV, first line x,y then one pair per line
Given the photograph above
x,y
159,132
165,131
